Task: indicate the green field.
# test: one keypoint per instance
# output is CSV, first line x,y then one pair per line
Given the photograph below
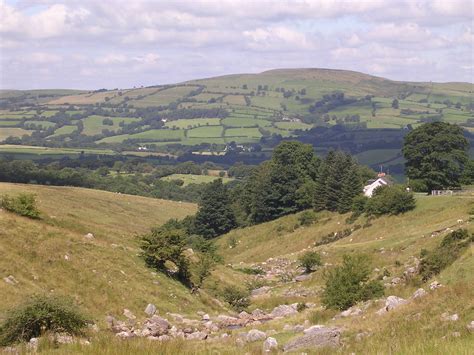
x,y
192,123
93,124
244,122
158,135
9,123
12,132
243,132
194,179
63,130
205,132
293,125
33,150
42,124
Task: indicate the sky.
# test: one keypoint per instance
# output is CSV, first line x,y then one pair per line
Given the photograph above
x,y
92,44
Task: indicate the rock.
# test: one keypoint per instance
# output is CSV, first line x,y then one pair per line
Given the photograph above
x,y
240,342
63,338
156,325
11,281
470,326
206,317
435,285
393,302
110,321
314,328
452,318
456,334
196,336
89,236
283,311
222,318
177,317
150,309
270,344
303,277
353,311
255,335
419,293
410,272
396,280
298,328
244,315
260,291
33,344
124,335
258,313
323,337
360,336
127,313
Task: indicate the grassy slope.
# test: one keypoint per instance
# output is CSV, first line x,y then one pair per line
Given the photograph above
x,y
105,274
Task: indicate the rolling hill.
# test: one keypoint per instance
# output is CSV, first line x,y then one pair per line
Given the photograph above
x,y
247,109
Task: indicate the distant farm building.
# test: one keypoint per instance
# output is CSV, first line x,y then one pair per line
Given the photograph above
x,y
382,180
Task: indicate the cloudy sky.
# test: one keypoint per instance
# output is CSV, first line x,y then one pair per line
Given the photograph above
x,y
90,44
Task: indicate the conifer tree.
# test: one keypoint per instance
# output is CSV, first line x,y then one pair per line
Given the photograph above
x,y
215,215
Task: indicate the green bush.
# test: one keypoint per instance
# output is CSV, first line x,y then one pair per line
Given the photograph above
x,y
24,204
39,315
349,283
236,297
450,248
310,260
390,200
307,218
358,204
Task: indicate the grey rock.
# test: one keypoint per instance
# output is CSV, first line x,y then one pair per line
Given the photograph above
x,y
197,336
157,326
435,285
255,335
449,318
419,293
150,309
353,311
206,317
470,326
260,291
89,236
127,313
304,277
33,344
270,344
244,315
283,311
313,329
393,302
323,337
10,280
63,338
124,335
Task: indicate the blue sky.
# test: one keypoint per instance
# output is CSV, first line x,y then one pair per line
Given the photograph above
x,y
93,44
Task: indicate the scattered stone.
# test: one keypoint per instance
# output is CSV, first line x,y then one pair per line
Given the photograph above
x,y
11,281
260,291
270,344
89,236
33,344
150,309
124,335
470,326
127,313
206,317
361,336
197,336
303,277
452,318
393,302
353,311
396,281
456,334
410,272
312,329
255,335
323,337
419,293
244,315
435,285
284,311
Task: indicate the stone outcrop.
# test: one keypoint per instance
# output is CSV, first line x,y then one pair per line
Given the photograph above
x,y
317,338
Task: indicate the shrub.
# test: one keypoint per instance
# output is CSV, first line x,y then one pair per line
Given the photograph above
x,y
307,218
358,204
24,204
301,306
349,283
450,248
236,297
310,260
390,200
39,315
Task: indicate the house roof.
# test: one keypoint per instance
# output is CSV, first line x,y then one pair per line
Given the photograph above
x,y
387,179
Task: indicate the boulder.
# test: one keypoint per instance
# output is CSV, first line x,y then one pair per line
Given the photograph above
x,y
434,285
470,326
270,344
11,281
419,293
353,311
255,335
258,313
196,336
244,315
127,313
124,335
33,344
393,302
449,318
260,291
156,326
150,309
322,337
283,311
313,328
303,277
89,236
206,317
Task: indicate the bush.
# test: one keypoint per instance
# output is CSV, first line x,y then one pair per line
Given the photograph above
x,y
390,200
307,218
310,260
349,283
358,204
24,204
40,315
236,297
450,248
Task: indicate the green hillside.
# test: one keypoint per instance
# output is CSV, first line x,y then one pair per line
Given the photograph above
x,y
104,274
247,109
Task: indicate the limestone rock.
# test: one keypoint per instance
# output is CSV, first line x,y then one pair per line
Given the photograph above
x,y
11,281
313,328
283,311
434,285
127,313
470,326
206,317
255,335
419,293
89,236
260,291
449,318
393,302
196,336
270,344
150,309
322,337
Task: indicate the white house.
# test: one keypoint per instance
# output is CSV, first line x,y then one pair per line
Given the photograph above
x,y
382,180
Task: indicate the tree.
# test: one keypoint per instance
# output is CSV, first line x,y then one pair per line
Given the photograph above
x,y
390,200
395,104
436,153
163,249
215,215
349,283
310,260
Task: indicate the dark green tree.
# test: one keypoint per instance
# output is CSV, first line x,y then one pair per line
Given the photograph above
x,y
215,215
436,154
